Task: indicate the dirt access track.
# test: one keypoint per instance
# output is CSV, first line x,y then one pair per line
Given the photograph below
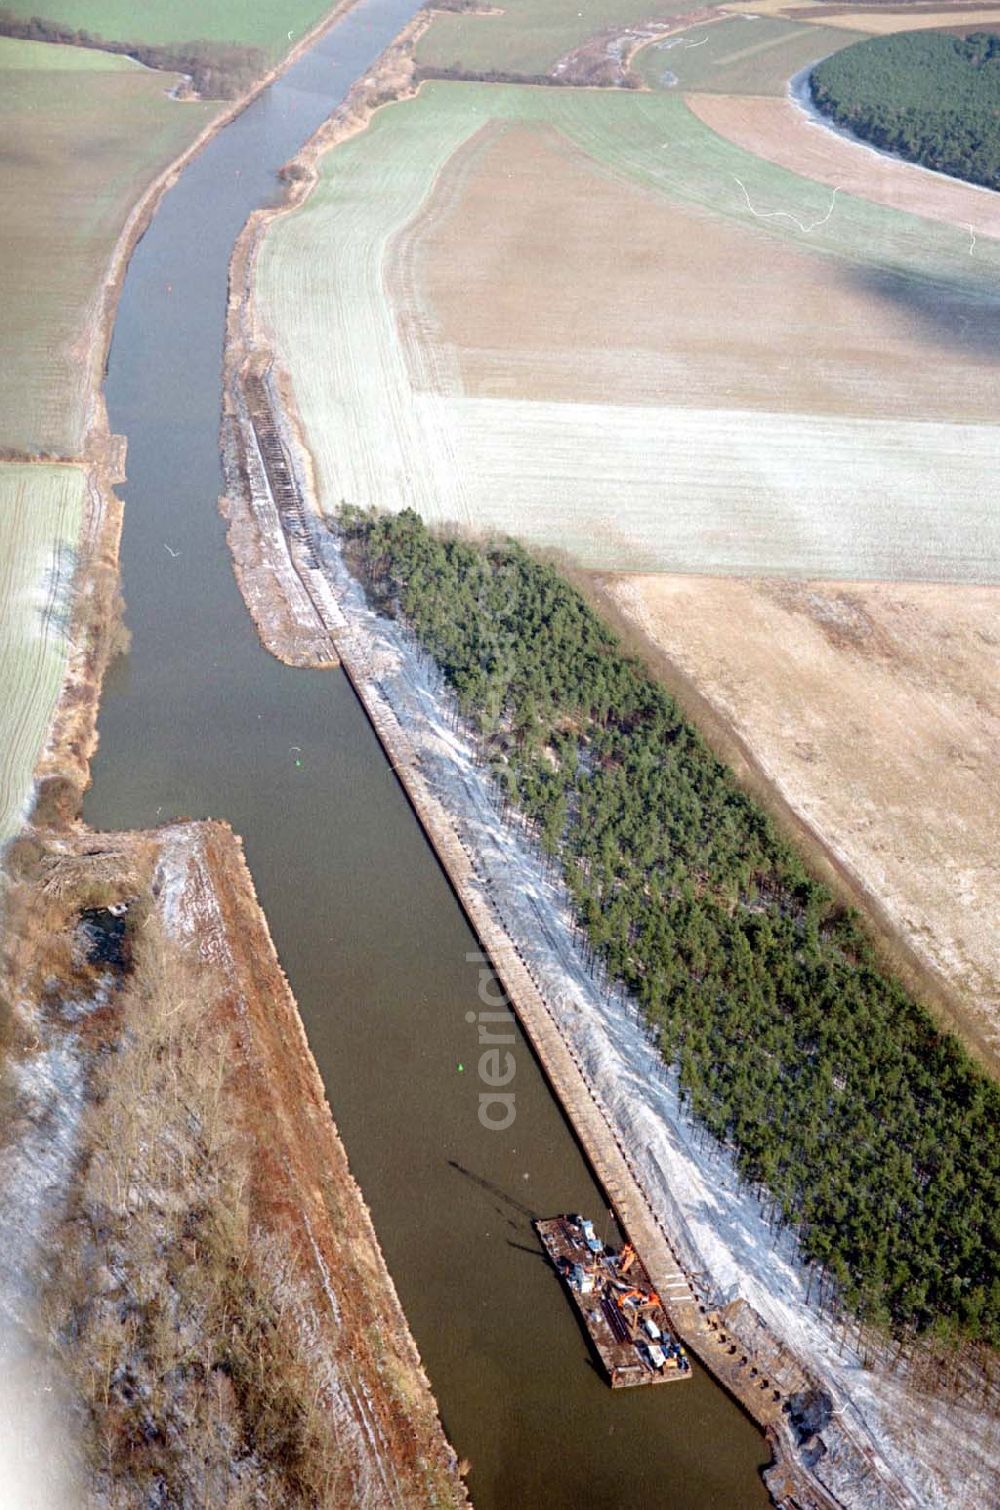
x,y
871,713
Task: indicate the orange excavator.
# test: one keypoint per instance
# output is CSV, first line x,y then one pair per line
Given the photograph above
x,y
637,1301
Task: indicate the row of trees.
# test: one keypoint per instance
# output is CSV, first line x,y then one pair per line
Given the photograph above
x,y
217,70
873,1133
933,99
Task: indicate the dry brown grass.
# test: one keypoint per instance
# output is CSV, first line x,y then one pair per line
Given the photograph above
x,y
881,20
174,1318
207,1291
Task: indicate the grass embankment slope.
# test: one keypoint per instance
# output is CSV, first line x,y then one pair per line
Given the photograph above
x,y
932,99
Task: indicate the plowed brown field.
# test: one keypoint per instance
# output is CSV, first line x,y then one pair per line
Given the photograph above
x,y
502,281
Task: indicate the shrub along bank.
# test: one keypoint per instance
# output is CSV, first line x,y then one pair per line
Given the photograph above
x,y
866,1128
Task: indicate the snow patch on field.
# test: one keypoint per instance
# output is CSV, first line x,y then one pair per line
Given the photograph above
x,y
941,1452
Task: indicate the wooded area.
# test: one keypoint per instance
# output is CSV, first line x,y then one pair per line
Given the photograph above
x,y
858,1122
930,97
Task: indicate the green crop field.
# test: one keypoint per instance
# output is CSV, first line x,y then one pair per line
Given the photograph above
x,y
620,485
528,36
42,57
254,23
84,133
41,509
740,55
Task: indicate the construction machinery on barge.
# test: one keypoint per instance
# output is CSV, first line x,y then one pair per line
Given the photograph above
x,y
616,1303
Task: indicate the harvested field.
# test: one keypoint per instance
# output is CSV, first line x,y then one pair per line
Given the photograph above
x,y
84,134
738,56
264,23
41,511
658,316
779,131
528,36
873,711
665,466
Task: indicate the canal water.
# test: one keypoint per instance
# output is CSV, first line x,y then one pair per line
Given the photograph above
x,y
199,721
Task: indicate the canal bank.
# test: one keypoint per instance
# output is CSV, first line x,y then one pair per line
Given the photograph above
x,y
199,720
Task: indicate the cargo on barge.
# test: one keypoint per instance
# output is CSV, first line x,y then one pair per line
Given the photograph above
x,y
617,1305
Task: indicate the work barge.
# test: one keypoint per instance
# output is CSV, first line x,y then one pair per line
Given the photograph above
x,y
618,1308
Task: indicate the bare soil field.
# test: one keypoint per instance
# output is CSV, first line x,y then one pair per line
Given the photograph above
x,y
782,133
658,309
872,710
